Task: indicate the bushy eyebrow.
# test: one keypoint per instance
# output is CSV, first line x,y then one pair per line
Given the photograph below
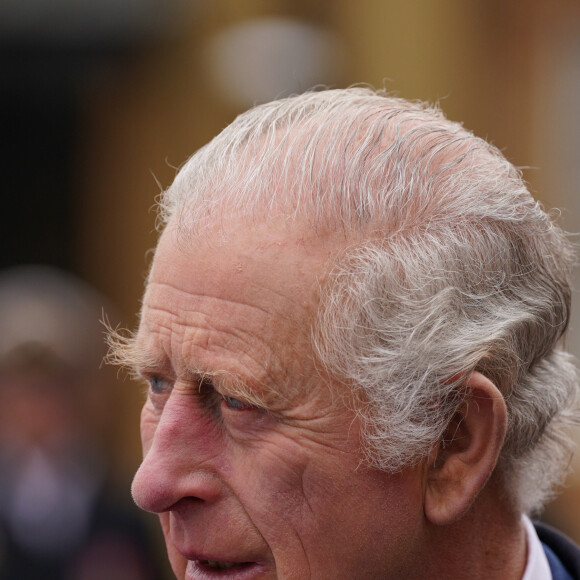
x,y
127,353
234,386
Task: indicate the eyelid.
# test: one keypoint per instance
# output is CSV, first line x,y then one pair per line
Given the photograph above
x,y
231,403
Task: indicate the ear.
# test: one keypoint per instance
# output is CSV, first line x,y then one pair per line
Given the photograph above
x,y
462,463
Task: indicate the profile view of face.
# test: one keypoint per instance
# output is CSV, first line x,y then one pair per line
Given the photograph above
x,y
252,457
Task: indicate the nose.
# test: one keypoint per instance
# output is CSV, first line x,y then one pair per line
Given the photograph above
x,y
181,446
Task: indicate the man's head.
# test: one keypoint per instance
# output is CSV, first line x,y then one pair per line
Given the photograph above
x,y
350,332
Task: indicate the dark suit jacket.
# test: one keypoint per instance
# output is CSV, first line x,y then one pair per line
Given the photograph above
x,y
563,555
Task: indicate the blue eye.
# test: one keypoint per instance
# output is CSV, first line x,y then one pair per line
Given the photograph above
x,y
157,384
235,404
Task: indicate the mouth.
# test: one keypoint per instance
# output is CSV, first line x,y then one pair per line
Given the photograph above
x,y
222,570
215,565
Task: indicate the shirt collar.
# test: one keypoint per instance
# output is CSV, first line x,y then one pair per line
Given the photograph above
x,y
537,567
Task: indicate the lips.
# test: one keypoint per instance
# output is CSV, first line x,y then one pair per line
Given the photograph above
x,y
214,565
206,569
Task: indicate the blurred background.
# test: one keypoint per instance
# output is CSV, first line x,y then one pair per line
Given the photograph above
x,y
101,101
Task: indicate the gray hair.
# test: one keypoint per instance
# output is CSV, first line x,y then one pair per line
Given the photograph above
x,y
460,269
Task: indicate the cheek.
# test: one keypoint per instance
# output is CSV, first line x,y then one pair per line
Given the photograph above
x,y
322,506
268,479
287,488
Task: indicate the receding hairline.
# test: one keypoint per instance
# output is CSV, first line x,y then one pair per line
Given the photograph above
x,y
289,165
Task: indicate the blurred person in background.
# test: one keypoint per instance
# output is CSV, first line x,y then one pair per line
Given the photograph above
x,y
59,518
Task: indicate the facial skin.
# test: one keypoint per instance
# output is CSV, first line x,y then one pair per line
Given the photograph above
x,y
259,463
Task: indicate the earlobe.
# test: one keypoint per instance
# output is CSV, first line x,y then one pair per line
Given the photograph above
x,y
462,463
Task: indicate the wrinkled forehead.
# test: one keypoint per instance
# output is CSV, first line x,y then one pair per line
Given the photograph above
x,y
278,266
253,286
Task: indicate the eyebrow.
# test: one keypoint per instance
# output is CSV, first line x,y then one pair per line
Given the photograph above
x,y
126,352
232,385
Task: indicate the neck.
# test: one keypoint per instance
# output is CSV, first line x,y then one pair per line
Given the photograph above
x,y
488,542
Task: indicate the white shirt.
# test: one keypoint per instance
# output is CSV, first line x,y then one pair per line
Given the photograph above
x,y
537,567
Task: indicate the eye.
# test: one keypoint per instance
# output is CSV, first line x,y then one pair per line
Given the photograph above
x,y
157,384
236,404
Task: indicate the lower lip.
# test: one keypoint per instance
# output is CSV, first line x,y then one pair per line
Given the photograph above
x,y
197,570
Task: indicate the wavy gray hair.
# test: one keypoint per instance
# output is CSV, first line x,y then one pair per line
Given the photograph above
x,y
460,269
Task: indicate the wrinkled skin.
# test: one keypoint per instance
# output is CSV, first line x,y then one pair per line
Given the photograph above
x,y
261,465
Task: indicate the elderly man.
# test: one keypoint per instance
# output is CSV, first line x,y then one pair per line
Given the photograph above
x,y
350,335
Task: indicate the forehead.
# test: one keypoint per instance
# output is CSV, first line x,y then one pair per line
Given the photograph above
x,y
239,299
280,267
